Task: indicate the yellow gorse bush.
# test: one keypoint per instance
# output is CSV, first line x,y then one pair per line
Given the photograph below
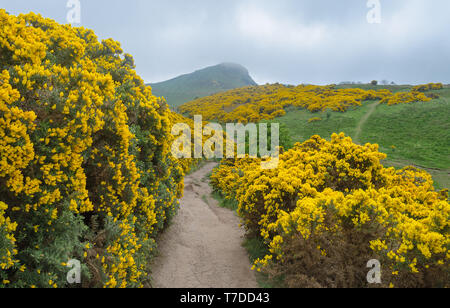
x,y
84,157
336,194
428,87
415,95
406,98
256,103
7,247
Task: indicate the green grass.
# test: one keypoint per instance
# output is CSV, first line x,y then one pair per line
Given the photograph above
x,y
256,249
300,130
420,132
225,203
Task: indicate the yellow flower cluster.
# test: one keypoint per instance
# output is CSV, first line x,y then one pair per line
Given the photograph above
x,y
7,248
256,103
405,98
428,87
81,135
316,119
415,95
335,190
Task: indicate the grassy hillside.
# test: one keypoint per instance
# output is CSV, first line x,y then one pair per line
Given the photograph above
x,y
368,86
202,83
416,134
410,126
267,102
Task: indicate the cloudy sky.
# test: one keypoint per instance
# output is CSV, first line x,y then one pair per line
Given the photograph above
x,y
289,41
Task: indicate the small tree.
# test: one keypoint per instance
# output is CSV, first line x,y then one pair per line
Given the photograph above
x,y
374,82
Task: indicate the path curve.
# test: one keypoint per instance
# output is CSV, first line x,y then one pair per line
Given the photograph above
x,y
363,121
203,246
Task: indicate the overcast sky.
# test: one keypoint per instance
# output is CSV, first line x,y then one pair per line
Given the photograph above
x,y
288,41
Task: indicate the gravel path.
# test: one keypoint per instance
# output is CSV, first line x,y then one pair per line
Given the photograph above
x,y
203,246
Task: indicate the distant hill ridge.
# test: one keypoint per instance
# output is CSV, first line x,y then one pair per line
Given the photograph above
x,y
204,82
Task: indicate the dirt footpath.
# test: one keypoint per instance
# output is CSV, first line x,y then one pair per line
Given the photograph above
x,y
363,121
203,246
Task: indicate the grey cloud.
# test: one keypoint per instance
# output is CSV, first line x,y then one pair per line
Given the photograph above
x,y
288,41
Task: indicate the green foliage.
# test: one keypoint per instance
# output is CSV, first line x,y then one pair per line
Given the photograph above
x,y
285,139
257,249
225,203
285,135
47,248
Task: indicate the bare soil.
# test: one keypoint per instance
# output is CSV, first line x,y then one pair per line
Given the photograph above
x,y
203,246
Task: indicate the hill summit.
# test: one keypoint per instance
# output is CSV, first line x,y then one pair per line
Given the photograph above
x,y
204,82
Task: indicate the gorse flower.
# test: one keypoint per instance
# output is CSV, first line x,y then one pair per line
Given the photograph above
x,y
256,103
85,163
336,193
405,98
428,87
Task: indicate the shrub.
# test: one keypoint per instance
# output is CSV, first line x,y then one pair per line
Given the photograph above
x,y
258,103
405,98
330,207
85,164
428,87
